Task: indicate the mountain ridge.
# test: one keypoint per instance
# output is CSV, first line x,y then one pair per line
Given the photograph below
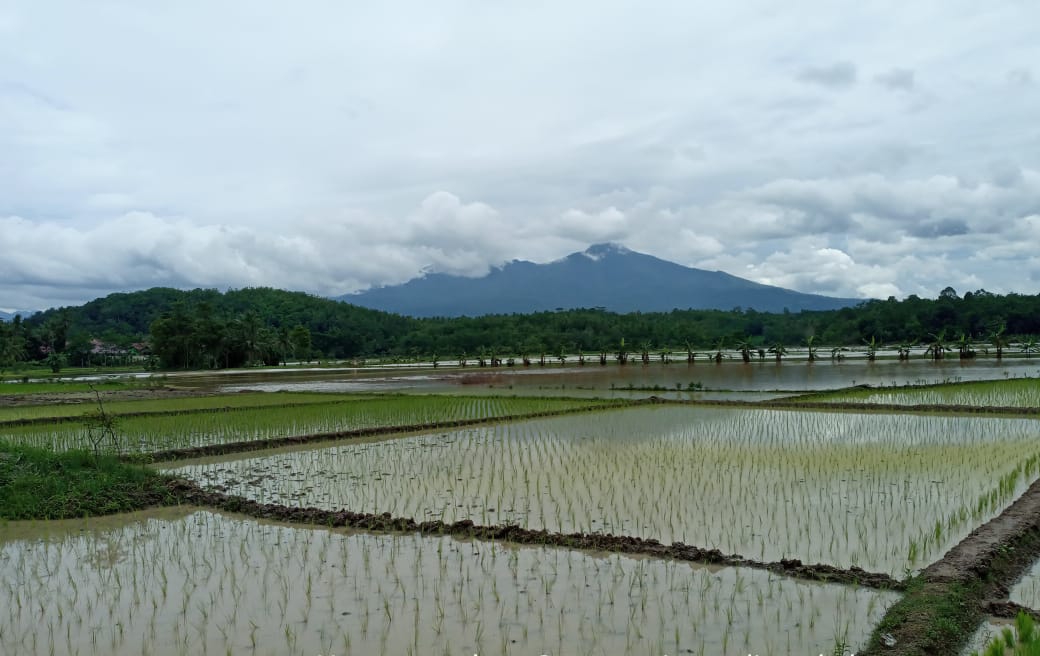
x,y
605,275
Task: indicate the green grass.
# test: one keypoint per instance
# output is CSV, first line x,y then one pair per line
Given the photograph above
x,y
162,432
39,484
1012,393
173,405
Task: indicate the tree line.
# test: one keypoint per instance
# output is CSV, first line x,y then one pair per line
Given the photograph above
x,y
210,329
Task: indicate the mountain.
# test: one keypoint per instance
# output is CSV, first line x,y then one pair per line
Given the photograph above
x,y
606,275
8,316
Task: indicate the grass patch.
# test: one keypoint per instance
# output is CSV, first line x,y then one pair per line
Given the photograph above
x,y
40,484
929,619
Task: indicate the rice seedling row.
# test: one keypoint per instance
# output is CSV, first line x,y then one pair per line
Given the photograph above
x,y
141,435
209,583
74,411
883,492
1012,393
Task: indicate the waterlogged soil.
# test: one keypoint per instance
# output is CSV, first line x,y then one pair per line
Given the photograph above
x,y
843,489
217,583
760,376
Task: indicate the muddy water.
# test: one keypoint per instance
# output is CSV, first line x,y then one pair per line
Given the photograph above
x,y
613,380
208,583
1027,591
834,488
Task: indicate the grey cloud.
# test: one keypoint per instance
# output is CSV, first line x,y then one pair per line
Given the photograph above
x,y
938,228
1021,76
897,79
841,74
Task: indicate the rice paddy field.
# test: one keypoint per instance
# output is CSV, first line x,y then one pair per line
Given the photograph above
x,y
882,492
1013,393
271,416
212,584
882,489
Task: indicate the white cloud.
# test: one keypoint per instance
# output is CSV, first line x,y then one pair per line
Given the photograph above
x,y
341,147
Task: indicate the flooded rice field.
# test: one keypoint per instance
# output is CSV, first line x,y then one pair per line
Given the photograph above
x,y
613,380
197,582
884,492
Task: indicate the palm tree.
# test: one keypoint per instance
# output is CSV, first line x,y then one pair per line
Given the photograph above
x,y
937,346
778,350
810,341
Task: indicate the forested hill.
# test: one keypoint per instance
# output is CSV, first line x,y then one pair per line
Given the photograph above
x,y
336,328
242,317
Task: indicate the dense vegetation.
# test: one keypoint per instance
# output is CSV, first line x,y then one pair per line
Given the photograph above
x,y
207,328
41,484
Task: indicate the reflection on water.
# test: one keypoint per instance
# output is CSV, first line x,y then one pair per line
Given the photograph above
x,y
614,381
209,583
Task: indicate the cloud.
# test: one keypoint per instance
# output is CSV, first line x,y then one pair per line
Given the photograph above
x,y
841,74
339,148
897,79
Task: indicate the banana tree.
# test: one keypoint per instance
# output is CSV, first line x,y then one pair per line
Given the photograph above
x,y
719,347
561,355
838,352
622,354
999,340
690,355
810,342
779,350
964,347
462,359
872,347
644,352
581,356
1030,346
664,356
937,347
904,350
745,347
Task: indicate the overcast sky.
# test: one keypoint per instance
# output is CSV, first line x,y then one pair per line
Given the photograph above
x,y
858,149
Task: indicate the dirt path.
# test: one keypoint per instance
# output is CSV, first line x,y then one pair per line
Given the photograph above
x,y
190,492
945,604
